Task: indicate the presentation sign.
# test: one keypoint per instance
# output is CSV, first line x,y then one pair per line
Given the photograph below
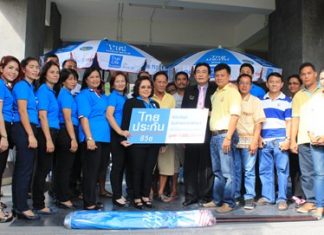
x,y
160,126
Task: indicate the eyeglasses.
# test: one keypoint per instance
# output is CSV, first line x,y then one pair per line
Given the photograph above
x,y
145,87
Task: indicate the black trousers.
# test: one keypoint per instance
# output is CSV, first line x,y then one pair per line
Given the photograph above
x,y
4,154
63,164
198,176
119,162
44,162
23,166
143,161
94,165
294,172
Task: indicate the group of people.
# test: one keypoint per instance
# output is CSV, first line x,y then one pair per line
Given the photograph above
x,y
53,125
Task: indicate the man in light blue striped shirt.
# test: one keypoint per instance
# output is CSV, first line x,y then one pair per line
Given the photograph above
x,y
275,139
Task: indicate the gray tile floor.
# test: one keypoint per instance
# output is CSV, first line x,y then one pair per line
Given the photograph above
x,y
54,224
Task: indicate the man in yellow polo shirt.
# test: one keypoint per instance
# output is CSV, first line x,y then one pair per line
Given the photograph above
x,y
226,109
300,142
166,158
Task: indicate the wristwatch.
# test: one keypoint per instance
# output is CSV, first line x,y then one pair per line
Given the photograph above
x,y
89,138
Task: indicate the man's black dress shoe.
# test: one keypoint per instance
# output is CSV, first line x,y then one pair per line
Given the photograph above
x,y
189,202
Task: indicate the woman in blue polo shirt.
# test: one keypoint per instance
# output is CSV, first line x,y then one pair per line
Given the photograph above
x,y
9,74
67,142
116,101
25,120
49,126
94,135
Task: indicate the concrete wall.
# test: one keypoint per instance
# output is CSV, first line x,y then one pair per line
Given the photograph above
x,y
35,27
13,27
53,30
296,34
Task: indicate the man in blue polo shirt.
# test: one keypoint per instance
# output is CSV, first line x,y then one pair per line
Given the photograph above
x,y
276,140
256,90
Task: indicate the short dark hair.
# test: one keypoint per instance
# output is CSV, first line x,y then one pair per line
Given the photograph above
x,y
295,76
143,73
138,84
306,64
181,73
247,65
160,73
113,79
221,67
65,61
275,74
202,64
26,61
243,75
87,73
51,55
65,73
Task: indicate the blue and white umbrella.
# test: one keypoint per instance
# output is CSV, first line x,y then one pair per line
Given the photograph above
x,y
110,55
221,55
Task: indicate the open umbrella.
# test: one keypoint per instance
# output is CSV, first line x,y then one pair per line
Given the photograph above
x,y
221,55
110,55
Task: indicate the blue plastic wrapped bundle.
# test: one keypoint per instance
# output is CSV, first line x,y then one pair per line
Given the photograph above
x,y
119,220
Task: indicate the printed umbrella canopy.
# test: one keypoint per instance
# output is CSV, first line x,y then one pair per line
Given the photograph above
x,y
110,55
221,55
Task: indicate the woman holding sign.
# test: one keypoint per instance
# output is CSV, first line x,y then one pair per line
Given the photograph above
x,y
142,157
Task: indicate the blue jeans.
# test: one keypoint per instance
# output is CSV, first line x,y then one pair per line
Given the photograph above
x,y
244,160
272,157
306,166
318,160
224,170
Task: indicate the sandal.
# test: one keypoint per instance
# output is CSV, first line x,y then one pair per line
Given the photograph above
x,y
138,204
147,202
2,205
164,198
5,216
106,194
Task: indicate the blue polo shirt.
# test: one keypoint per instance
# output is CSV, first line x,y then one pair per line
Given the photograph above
x,y
47,101
117,100
23,90
66,100
257,91
93,107
7,101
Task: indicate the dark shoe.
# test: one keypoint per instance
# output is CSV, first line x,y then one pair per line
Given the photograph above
x,y
93,208
62,205
138,204
22,215
189,202
249,204
50,211
106,194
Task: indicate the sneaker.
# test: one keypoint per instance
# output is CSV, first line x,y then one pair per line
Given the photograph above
x,y
282,206
262,201
249,204
210,204
225,208
307,207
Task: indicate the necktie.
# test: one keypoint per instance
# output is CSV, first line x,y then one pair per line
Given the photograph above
x,y
201,100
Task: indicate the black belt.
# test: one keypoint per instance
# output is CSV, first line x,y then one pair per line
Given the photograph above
x,y
219,132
